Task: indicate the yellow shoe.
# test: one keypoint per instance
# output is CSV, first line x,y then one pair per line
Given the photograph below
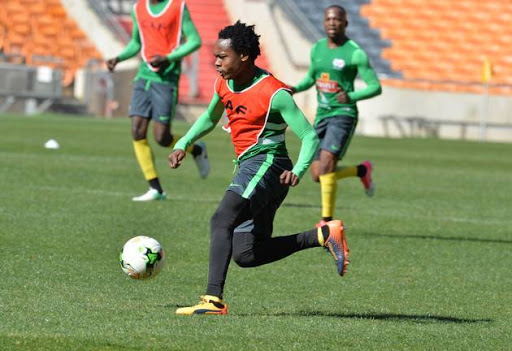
x,y
208,304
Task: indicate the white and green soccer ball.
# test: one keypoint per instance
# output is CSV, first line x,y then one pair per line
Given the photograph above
x,y
142,257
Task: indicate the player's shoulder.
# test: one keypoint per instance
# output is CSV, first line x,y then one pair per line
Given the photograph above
x,y
273,80
352,45
357,51
319,44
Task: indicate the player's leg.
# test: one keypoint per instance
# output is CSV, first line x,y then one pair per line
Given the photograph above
x,y
164,100
253,244
337,134
324,164
232,210
250,250
140,113
347,126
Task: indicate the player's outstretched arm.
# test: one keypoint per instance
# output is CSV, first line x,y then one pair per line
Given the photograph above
x,y
373,87
293,116
204,125
131,49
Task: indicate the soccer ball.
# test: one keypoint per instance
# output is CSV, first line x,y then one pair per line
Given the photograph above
x,y
142,257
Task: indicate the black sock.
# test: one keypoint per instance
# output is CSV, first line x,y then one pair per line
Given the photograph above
x,y
196,150
361,171
155,184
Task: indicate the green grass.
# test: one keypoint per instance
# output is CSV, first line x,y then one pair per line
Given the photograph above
x,y
431,253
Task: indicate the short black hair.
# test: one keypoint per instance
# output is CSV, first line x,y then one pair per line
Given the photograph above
x,y
243,39
341,8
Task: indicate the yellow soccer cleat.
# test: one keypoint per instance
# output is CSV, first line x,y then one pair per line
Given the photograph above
x,y
208,304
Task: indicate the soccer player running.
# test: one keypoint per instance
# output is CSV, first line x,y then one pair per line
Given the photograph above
x,y
335,62
259,109
158,28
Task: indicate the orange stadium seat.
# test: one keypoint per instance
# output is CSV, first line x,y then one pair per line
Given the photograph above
x,y
441,41
31,29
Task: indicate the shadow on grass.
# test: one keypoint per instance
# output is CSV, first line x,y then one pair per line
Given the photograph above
x,y
420,318
431,237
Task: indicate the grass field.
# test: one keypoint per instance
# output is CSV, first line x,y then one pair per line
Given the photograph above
x,y
431,253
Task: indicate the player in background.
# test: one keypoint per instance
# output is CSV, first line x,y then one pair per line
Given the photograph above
x,y
259,109
335,63
158,29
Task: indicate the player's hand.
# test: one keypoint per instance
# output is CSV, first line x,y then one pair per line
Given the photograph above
x,y
176,158
289,178
159,61
342,96
111,63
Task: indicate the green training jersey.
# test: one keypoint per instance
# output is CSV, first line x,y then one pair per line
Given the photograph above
x,y
335,69
172,72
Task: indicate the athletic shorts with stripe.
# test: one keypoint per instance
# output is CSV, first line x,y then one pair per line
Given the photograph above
x,y
335,134
257,180
153,100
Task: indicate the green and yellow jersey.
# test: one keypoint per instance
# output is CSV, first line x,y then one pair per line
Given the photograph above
x,y
187,29
335,69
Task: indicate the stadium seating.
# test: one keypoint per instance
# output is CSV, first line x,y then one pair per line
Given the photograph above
x,y
441,45
429,45
39,32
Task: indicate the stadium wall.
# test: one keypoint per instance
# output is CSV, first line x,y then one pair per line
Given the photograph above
x,y
439,106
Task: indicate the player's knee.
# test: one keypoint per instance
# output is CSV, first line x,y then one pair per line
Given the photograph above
x,y
244,258
138,133
163,140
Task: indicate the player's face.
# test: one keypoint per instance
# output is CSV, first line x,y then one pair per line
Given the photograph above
x,y
228,63
335,22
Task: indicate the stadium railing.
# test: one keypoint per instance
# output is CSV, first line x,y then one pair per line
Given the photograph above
x,y
37,86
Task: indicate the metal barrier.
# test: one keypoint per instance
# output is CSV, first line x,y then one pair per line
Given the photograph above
x,y
30,84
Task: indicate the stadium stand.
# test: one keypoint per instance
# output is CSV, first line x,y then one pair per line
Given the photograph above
x,y
444,44
39,32
425,45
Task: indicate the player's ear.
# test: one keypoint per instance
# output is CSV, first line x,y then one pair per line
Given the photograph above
x,y
244,57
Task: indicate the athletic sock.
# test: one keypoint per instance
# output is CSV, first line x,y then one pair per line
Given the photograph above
x,y
322,234
196,150
155,184
144,157
329,188
361,171
344,172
